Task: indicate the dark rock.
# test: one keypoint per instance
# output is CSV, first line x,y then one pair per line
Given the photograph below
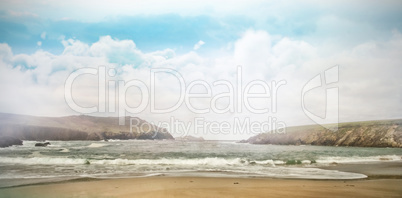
x,y
94,137
42,144
6,141
155,135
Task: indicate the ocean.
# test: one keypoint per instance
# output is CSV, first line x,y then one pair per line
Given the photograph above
x,y
65,160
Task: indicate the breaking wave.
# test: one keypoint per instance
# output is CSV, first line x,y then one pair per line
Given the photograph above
x,y
208,161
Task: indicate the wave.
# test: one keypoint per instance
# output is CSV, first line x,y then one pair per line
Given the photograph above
x,y
114,140
119,161
65,150
42,161
358,159
203,166
163,161
208,161
96,145
178,161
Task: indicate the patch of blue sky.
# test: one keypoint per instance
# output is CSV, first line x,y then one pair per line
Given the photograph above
x,y
348,25
150,33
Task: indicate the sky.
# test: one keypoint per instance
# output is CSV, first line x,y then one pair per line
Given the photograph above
x,y
225,70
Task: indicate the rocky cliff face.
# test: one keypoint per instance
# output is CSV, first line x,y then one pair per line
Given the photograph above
x,y
6,141
78,128
386,133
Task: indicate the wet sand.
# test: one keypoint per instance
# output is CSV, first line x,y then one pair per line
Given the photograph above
x,y
210,187
385,170
384,181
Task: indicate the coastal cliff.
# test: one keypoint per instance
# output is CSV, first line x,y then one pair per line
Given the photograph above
x,y
78,128
384,133
6,141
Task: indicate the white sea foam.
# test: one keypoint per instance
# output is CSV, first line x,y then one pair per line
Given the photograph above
x,y
306,162
265,162
96,145
221,165
37,158
163,161
65,150
357,159
41,160
312,173
279,162
113,140
177,161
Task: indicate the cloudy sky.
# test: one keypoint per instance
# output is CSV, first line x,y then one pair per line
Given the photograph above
x,y
277,51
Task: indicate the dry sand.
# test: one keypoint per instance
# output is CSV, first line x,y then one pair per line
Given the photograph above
x,y
210,187
384,180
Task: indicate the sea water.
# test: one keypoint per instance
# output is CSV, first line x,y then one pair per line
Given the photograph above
x,y
64,160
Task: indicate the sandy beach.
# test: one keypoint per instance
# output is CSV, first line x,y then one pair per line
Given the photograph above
x,y
384,180
210,187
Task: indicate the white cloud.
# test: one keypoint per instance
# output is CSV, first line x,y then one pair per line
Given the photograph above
x,y
369,81
106,45
75,48
39,43
22,14
43,35
198,45
5,53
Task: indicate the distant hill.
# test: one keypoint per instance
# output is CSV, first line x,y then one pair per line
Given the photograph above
x,y
77,128
382,133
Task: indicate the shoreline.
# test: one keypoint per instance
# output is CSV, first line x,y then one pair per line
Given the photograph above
x,y
384,179
373,170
